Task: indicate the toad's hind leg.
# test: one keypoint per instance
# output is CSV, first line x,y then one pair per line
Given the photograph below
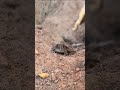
x,y
80,18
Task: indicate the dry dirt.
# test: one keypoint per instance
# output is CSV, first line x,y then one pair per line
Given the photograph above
x,y
65,72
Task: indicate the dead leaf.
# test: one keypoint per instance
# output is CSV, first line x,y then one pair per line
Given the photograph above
x,y
43,75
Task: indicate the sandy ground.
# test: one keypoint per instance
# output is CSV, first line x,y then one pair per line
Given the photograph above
x,y
65,72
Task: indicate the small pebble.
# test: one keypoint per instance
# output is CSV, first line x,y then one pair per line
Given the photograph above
x,y
77,69
36,52
82,64
61,58
63,75
55,81
63,85
57,70
75,83
53,76
48,83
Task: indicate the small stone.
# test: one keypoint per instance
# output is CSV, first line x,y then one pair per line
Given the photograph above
x,y
72,71
77,69
36,52
38,27
53,76
75,83
48,83
63,75
61,58
57,70
55,81
60,64
63,85
82,64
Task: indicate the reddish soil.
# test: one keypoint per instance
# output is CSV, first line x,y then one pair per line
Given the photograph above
x,y
65,72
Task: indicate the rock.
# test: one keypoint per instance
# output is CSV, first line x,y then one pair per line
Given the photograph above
x,y
56,81
48,83
63,85
82,64
75,83
63,75
36,52
57,70
53,77
77,69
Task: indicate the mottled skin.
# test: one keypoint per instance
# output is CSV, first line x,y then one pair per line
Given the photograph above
x,y
61,49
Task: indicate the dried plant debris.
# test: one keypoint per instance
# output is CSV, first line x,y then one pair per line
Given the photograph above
x,y
43,75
